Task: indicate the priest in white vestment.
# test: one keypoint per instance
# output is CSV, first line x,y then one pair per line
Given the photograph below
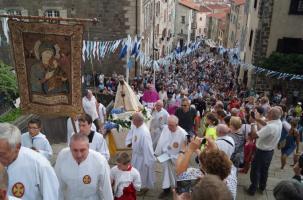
x,y
31,177
171,142
96,140
83,174
35,140
159,119
142,151
89,104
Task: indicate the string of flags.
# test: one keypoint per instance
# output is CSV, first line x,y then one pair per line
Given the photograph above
x,y
130,48
234,59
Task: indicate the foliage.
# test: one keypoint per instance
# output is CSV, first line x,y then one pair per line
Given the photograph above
x,y
285,63
8,83
11,116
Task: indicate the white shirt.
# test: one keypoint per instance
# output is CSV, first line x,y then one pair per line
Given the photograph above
x,y
90,107
226,144
163,95
123,179
99,144
102,112
171,142
89,180
31,177
269,135
39,142
70,128
13,198
159,119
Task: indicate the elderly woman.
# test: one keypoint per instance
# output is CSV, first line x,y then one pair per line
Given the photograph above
x,y
213,161
235,125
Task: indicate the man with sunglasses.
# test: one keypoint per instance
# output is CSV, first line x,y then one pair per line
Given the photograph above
x,y
186,115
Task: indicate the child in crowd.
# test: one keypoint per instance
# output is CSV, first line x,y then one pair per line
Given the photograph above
x,y
126,179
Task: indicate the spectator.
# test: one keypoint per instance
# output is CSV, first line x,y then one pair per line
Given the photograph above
x,y
291,144
210,187
186,115
288,190
239,138
267,139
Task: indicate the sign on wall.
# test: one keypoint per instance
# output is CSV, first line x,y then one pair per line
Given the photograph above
x,y
48,66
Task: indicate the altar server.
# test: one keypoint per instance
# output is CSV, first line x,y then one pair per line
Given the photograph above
x,y
83,173
96,140
159,119
125,178
142,152
171,142
31,177
35,140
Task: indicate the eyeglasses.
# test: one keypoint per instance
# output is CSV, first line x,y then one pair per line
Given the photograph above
x,y
33,128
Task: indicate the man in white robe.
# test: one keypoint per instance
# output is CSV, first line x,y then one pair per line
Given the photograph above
x,y
142,152
83,174
4,185
70,128
171,142
35,140
89,105
159,119
96,140
31,177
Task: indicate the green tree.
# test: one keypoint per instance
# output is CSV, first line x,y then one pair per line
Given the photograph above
x,y
8,83
286,63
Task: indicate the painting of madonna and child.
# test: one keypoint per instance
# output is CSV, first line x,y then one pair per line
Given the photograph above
x,y
48,65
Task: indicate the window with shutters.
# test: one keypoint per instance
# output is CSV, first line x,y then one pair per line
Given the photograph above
x,y
52,13
183,19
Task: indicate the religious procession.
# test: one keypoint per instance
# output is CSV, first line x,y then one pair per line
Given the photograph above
x,y
92,113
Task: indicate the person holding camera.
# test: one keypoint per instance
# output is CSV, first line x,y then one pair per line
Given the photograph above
x,y
213,162
267,139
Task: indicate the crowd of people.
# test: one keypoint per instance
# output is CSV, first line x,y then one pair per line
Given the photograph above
x,y
205,129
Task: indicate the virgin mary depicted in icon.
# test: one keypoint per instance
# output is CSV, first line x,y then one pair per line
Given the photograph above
x,y
47,76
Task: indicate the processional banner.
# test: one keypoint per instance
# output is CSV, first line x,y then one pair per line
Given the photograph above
x,y
47,60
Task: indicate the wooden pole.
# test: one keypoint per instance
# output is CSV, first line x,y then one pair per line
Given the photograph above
x,y
93,20
74,125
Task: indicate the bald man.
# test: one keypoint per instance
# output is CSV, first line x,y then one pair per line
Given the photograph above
x,y
171,142
225,142
267,139
159,120
142,151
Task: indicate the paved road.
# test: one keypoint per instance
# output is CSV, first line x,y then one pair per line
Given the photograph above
x,y
275,176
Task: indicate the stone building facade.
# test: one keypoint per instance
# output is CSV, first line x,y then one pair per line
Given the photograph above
x,y
117,19
272,25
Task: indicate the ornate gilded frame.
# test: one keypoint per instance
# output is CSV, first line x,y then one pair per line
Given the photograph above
x,y
68,103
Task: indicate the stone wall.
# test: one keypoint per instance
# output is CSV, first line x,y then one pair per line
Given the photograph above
x,y
117,19
263,31
286,87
